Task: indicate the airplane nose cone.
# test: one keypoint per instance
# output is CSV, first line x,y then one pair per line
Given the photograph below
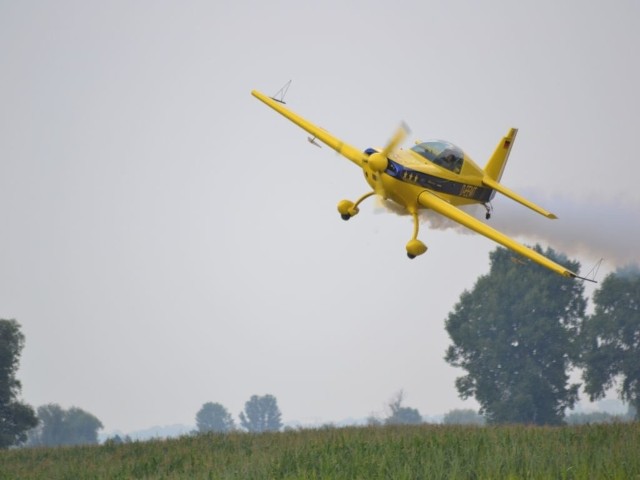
x,y
378,162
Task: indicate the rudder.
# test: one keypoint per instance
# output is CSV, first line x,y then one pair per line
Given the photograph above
x,y
497,161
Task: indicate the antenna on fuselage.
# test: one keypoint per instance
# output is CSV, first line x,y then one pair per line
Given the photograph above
x,y
280,94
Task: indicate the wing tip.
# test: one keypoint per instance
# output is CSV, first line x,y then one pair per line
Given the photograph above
x,y
570,274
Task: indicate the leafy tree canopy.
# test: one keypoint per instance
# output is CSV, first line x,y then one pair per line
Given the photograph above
x,y
514,335
64,427
213,417
611,338
402,415
16,418
261,414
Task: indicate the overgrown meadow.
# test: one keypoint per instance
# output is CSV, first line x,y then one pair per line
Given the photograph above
x,y
610,451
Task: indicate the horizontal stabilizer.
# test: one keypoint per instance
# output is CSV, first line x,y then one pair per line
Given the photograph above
x,y
488,182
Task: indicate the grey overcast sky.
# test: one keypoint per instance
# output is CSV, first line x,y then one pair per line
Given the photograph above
x,y
167,240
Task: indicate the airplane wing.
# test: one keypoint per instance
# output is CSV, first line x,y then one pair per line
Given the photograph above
x,y
430,200
352,153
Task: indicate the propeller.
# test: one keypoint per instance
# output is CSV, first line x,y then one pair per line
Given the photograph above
x,y
378,161
374,164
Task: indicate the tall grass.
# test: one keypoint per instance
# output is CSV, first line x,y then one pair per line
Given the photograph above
x,y
609,451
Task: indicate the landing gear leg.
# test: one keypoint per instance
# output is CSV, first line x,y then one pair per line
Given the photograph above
x,y
415,247
349,209
489,209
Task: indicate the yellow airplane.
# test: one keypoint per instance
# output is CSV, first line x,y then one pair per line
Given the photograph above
x,y
434,175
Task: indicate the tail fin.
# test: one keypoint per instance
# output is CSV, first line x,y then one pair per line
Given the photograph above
x,y
493,172
495,165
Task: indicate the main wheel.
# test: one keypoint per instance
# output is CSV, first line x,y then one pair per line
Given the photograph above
x,y
415,248
347,209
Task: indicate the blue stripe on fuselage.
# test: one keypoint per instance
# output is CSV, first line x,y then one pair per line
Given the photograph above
x,y
437,184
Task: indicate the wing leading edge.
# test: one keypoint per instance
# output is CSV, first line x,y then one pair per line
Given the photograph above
x,y
348,151
429,200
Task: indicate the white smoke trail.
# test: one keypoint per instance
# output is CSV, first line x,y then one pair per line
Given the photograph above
x,y
586,230
591,229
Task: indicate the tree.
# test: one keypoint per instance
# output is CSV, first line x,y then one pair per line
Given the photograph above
x,y
213,417
64,427
16,418
611,338
261,414
402,415
464,416
515,335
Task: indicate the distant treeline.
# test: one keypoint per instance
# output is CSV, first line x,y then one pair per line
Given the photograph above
x,y
517,335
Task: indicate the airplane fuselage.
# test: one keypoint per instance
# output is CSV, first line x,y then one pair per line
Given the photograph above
x,y
407,175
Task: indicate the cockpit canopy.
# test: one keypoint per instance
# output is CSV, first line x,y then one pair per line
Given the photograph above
x,y
441,153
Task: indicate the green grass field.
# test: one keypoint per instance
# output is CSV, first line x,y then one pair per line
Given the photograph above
x,y
609,451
